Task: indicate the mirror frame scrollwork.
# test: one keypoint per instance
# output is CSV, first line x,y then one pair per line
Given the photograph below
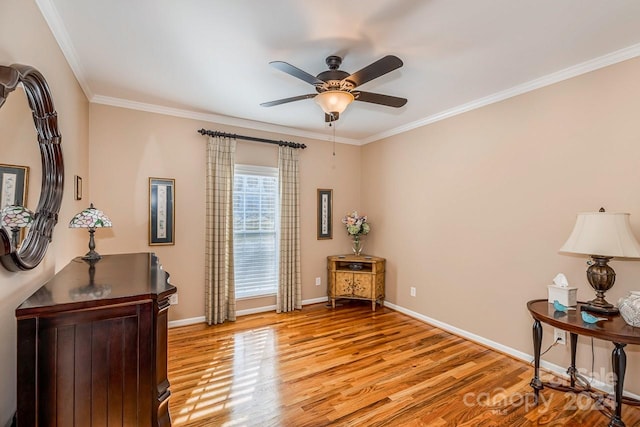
x,y
34,247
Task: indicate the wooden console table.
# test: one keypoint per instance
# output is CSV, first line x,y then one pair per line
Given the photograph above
x,y
92,345
615,330
356,277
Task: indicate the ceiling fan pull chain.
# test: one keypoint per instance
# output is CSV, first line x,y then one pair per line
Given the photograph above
x,y
333,123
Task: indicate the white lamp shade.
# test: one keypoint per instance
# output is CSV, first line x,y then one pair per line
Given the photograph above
x,y
603,233
334,101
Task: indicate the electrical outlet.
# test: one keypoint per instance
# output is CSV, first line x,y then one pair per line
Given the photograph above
x,y
560,336
173,299
318,281
413,291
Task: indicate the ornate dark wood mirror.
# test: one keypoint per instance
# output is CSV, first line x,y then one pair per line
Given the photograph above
x,y
32,249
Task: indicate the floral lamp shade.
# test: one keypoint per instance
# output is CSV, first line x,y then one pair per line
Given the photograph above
x,y
16,217
90,218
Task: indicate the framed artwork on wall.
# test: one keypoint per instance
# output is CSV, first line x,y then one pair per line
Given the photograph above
x,y
161,211
77,187
325,213
14,183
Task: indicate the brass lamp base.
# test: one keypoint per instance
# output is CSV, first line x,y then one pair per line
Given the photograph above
x,y
601,278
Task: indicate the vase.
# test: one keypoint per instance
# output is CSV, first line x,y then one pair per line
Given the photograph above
x,y
357,245
630,308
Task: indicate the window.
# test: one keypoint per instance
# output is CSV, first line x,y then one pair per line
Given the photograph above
x,y
255,230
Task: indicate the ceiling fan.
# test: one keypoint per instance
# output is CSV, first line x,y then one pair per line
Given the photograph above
x,y
336,88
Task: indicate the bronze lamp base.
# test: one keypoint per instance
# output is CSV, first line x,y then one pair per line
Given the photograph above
x,y
601,278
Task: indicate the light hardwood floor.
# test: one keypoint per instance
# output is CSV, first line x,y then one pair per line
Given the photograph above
x,y
354,367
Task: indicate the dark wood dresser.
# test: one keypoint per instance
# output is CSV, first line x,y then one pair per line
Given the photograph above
x,y
92,345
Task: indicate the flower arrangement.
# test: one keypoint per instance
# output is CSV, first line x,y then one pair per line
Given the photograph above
x,y
356,225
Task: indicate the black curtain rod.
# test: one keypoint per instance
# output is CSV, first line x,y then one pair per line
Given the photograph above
x,y
251,138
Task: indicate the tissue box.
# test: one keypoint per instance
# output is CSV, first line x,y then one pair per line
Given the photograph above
x,y
565,296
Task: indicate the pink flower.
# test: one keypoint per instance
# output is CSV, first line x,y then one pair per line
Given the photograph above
x,y
356,225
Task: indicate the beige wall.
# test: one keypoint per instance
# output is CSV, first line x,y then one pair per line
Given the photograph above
x,y
25,39
472,210
128,147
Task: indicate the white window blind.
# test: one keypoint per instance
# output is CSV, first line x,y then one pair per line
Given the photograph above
x,y
255,230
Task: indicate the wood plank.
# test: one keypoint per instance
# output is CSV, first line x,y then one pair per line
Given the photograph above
x,y
115,381
350,366
82,376
99,373
65,372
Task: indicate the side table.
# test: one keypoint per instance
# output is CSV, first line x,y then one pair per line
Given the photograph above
x,y
615,330
356,277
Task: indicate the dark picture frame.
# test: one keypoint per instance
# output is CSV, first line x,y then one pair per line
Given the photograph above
x,y
77,187
14,185
161,211
325,213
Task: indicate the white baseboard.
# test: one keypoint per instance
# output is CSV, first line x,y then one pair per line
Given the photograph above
x,y
551,367
256,310
202,319
315,300
187,322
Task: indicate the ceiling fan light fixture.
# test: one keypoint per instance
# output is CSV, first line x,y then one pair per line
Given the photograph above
x,y
334,101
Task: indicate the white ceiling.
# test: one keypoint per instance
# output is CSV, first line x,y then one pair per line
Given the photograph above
x,y
209,59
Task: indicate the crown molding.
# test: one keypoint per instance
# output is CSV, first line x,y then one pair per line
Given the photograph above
x,y
565,74
52,17
215,118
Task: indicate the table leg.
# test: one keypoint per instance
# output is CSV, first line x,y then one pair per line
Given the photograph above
x,y
536,384
572,369
619,362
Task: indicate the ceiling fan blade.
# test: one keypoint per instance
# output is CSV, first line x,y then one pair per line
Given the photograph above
x,y
378,98
296,72
285,100
372,71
